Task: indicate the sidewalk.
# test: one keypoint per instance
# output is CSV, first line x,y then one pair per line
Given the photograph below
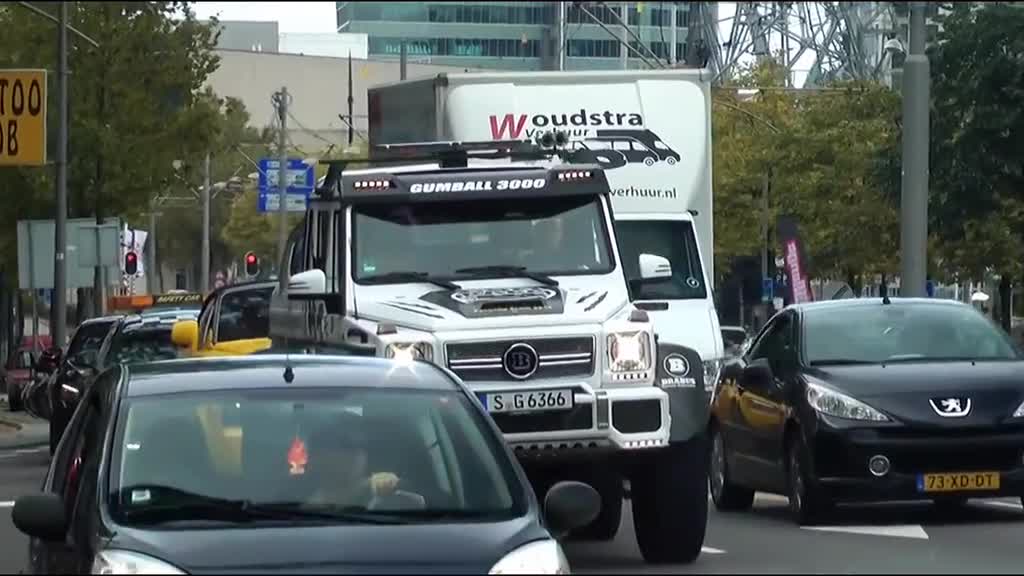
x,y
20,430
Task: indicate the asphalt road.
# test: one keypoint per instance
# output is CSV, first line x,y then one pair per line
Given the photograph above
x,y
895,538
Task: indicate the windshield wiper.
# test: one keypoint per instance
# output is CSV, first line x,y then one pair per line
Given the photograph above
x,y
409,277
841,362
507,272
181,505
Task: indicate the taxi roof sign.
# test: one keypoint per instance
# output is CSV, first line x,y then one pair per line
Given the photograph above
x,y
149,301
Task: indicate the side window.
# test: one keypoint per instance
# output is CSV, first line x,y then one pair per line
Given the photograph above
x,y
673,240
773,344
244,314
298,249
206,319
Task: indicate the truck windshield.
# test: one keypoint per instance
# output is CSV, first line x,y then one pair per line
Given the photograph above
x,y
555,236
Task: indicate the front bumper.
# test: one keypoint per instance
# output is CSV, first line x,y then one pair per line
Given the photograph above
x,y
841,461
610,419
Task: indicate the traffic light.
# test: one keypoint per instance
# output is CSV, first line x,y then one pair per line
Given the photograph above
x,y
252,264
131,263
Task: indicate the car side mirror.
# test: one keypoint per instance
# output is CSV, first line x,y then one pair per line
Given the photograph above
x,y
652,267
41,516
570,505
759,373
185,334
306,284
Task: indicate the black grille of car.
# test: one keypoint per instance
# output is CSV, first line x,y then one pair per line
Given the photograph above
x,y
579,418
558,358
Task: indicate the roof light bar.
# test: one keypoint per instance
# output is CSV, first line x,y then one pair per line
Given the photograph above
x,y
372,185
574,175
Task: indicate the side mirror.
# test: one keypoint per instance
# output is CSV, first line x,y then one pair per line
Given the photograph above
x,y
308,283
185,334
570,505
652,267
758,373
41,516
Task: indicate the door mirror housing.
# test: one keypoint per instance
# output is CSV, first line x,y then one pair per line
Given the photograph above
x,y
185,334
653,267
569,506
306,284
41,516
758,373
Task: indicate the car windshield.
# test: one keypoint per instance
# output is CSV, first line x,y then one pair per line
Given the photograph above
x,y
356,454
556,236
136,344
902,332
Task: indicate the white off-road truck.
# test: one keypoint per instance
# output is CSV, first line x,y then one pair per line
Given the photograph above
x,y
498,262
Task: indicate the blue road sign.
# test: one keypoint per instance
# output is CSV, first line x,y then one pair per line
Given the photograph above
x,y
301,181
767,289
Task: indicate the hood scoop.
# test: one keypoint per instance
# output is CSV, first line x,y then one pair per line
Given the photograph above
x,y
490,302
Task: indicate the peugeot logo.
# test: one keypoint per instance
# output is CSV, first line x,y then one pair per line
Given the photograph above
x,y
520,361
951,407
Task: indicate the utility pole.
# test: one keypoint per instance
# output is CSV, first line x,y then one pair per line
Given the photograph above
x,y
282,181
403,61
561,36
914,200
152,287
60,280
204,276
672,57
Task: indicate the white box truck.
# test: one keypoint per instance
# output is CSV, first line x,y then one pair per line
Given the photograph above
x,y
649,130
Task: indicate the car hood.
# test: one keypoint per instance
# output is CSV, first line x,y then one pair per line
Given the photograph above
x,y
500,303
423,548
907,391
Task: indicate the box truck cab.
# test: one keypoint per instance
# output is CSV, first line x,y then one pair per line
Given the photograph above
x,y
651,133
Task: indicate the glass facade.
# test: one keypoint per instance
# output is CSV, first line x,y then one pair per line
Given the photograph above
x,y
515,35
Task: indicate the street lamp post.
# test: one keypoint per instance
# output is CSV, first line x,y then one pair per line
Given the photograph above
x,y
60,280
914,199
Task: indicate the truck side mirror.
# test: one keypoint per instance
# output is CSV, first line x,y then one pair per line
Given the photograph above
x,y
652,267
306,284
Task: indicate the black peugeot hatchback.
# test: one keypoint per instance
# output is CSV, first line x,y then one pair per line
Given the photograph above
x,y
301,464
871,400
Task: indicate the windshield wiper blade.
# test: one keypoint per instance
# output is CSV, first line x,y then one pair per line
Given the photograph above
x,y
841,362
508,271
409,277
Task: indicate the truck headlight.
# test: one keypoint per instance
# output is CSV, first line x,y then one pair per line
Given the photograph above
x,y
629,352
409,351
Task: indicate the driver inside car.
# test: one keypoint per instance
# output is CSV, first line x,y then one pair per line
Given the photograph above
x,y
338,466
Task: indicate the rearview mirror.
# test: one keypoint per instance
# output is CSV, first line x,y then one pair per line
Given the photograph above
x,y
570,505
308,283
185,334
652,267
41,516
758,373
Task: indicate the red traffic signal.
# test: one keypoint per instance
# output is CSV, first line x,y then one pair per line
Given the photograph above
x,y
252,264
131,263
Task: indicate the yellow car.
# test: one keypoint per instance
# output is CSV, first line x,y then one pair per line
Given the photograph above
x,y
235,320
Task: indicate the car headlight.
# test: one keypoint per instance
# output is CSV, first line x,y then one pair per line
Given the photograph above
x,y
1019,413
712,370
125,562
409,351
543,557
629,351
832,403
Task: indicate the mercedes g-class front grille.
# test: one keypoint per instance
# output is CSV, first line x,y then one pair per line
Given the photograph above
x,y
559,357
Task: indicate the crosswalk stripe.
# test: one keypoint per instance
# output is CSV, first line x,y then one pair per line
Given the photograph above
x,y
900,531
1010,505
710,550
7,504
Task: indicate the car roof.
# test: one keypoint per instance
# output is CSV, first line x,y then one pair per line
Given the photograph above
x,y
267,371
871,302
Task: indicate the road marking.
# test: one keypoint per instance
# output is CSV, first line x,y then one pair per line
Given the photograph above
x,y
7,504
710,550
29,450
898,531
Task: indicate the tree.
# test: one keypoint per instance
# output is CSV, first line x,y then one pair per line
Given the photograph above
x,y
133,105
977,171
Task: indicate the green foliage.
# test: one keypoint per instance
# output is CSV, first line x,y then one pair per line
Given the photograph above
x,y
830,158
977,171
135,106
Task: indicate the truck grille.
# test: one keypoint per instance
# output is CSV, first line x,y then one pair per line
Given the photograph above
x,y
558,358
